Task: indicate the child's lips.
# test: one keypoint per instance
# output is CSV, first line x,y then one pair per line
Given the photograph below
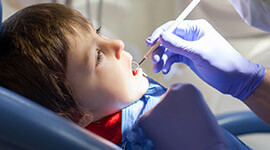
x,y
136,72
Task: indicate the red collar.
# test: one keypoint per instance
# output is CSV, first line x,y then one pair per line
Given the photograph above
x,y
108,128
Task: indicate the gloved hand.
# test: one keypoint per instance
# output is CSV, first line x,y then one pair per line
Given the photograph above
x,y
182,120
197,44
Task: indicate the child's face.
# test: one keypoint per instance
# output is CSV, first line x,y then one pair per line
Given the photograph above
x,y
100,74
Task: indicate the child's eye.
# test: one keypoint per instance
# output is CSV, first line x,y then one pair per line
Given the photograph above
x,y
99,57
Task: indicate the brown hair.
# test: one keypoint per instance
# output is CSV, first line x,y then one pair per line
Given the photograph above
x,y
33,55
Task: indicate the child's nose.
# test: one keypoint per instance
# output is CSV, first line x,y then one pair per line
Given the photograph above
x,y
118,47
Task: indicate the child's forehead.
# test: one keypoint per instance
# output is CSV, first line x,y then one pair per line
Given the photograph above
x,y
80,34
86,28
90,23
85,25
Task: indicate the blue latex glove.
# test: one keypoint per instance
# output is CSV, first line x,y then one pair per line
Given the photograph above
x,y
182,120
197,44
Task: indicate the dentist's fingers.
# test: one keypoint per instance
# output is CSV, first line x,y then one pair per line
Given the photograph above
x,y
150,41
171,60
168,58
157,59
178,45
157,54
176,58
158,67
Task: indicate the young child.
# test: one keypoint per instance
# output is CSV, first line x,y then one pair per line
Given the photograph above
x,y
52,55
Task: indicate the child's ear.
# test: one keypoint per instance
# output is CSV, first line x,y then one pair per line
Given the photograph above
x,y
86,119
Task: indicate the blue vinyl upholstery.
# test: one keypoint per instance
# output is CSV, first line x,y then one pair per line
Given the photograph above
x,y
27,125
243,122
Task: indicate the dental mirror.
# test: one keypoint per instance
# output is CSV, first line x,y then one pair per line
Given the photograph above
x,y
134,65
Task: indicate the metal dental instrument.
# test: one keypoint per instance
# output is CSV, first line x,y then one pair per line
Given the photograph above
x,y
178,20
134,65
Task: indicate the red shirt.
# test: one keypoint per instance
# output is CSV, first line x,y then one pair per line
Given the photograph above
x,y
108,128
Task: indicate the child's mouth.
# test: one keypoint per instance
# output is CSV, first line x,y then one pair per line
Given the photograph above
x,y
135,72
135,68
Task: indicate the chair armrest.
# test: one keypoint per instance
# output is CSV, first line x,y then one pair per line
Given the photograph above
x,y
239,123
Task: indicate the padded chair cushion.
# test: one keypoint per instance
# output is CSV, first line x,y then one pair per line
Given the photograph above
x,y
27,125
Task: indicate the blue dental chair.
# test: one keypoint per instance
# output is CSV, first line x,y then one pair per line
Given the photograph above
x,y
27,125
240,123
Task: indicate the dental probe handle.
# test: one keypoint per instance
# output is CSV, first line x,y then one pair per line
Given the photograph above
x,y
178,20
149,52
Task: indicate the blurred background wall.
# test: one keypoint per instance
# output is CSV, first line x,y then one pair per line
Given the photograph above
x,y
134,20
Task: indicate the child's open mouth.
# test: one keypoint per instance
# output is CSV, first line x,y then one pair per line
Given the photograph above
x,y
136,72
135,68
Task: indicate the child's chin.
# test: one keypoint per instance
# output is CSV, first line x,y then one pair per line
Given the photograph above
x,y
140,89
144,86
